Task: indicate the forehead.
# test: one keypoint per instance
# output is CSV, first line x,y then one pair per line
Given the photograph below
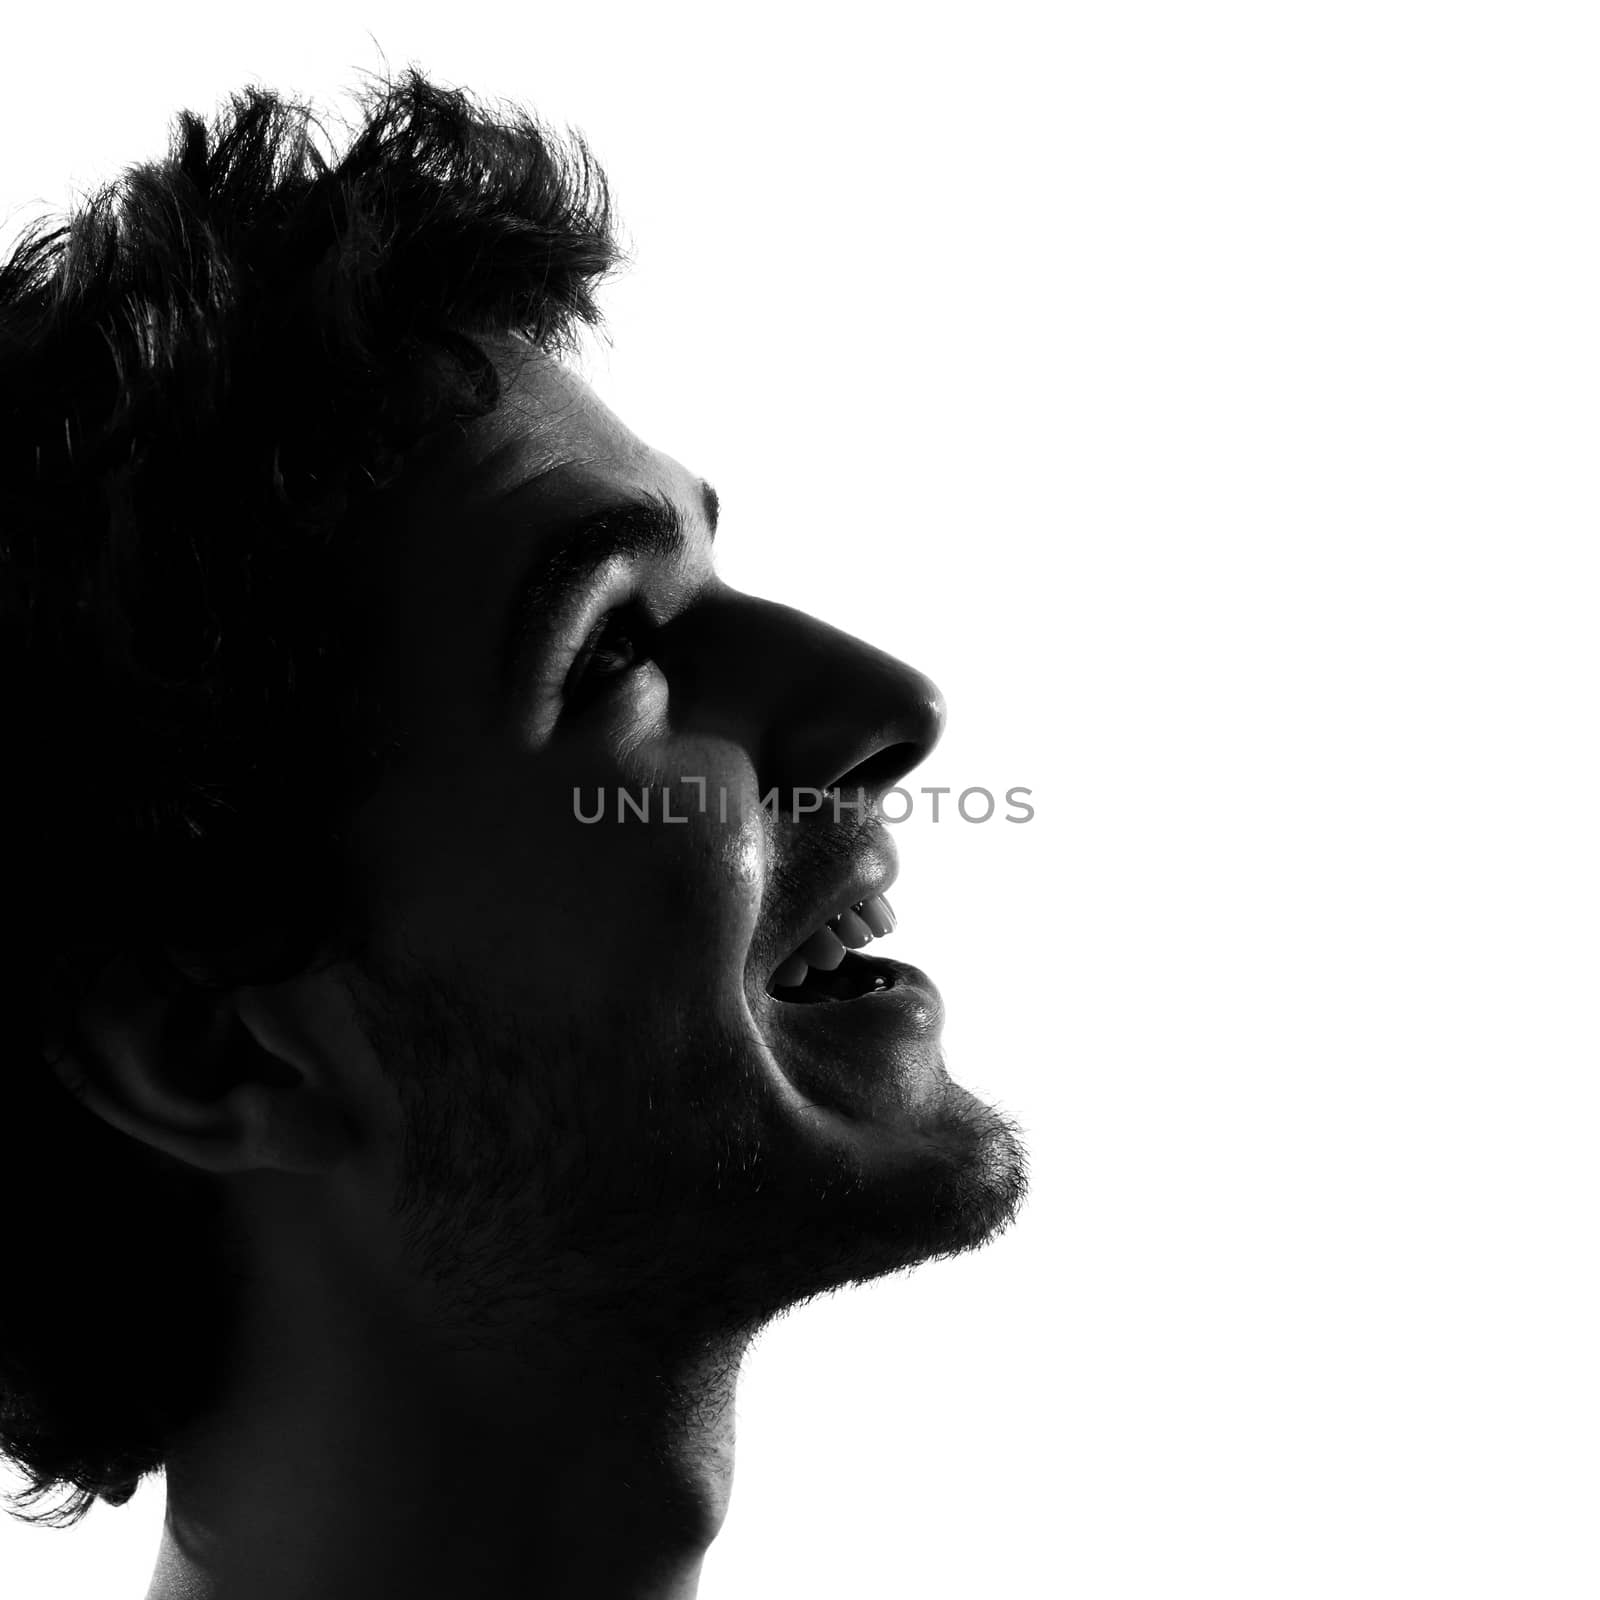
x,y
548,421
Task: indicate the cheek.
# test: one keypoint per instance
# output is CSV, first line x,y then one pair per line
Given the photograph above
x,y
677,891
513,879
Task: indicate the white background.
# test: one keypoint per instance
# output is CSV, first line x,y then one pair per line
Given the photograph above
x,y
1206,396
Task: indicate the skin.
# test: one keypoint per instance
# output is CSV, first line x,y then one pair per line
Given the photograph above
x,y
515,1186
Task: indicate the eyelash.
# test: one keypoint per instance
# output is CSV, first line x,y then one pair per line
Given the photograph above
x,y
581,678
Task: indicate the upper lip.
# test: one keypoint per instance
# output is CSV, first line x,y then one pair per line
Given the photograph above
x,y
870,871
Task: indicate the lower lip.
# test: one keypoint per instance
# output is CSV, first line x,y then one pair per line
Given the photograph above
x,y
864,1055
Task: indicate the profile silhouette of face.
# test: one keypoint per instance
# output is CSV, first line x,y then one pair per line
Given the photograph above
x,y
609,976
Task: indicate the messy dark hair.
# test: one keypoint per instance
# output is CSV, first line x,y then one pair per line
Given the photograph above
x,y
209,371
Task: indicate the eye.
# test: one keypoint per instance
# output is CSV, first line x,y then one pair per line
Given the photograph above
x,y
614,647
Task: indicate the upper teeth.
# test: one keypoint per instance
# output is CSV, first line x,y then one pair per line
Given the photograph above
x,y
848,929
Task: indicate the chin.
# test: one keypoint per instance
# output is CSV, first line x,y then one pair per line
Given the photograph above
x,y
874,1161
885,1206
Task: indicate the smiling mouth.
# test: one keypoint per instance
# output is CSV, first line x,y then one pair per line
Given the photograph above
x,y
827,966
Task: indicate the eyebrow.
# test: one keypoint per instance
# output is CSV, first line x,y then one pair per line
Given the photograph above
x,y
637,527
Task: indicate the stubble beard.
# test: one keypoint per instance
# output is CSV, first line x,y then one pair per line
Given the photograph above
x,y
685,1219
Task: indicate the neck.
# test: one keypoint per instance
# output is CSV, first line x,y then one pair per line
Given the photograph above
x,y
350,1460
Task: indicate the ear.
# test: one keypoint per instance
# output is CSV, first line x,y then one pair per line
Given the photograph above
x,y
234,1080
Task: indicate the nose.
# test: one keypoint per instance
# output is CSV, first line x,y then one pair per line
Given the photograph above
x,y
818,708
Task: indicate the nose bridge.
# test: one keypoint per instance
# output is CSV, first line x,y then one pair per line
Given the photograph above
x,y
824,709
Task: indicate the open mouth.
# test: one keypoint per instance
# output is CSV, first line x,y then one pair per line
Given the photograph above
x,y
827,966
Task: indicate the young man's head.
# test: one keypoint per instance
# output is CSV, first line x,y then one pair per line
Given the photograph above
x,y
419,865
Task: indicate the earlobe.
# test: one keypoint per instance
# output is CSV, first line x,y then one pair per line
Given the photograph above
x,y
202,1075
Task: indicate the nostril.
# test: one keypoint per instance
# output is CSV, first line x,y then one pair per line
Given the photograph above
x,y
882,769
